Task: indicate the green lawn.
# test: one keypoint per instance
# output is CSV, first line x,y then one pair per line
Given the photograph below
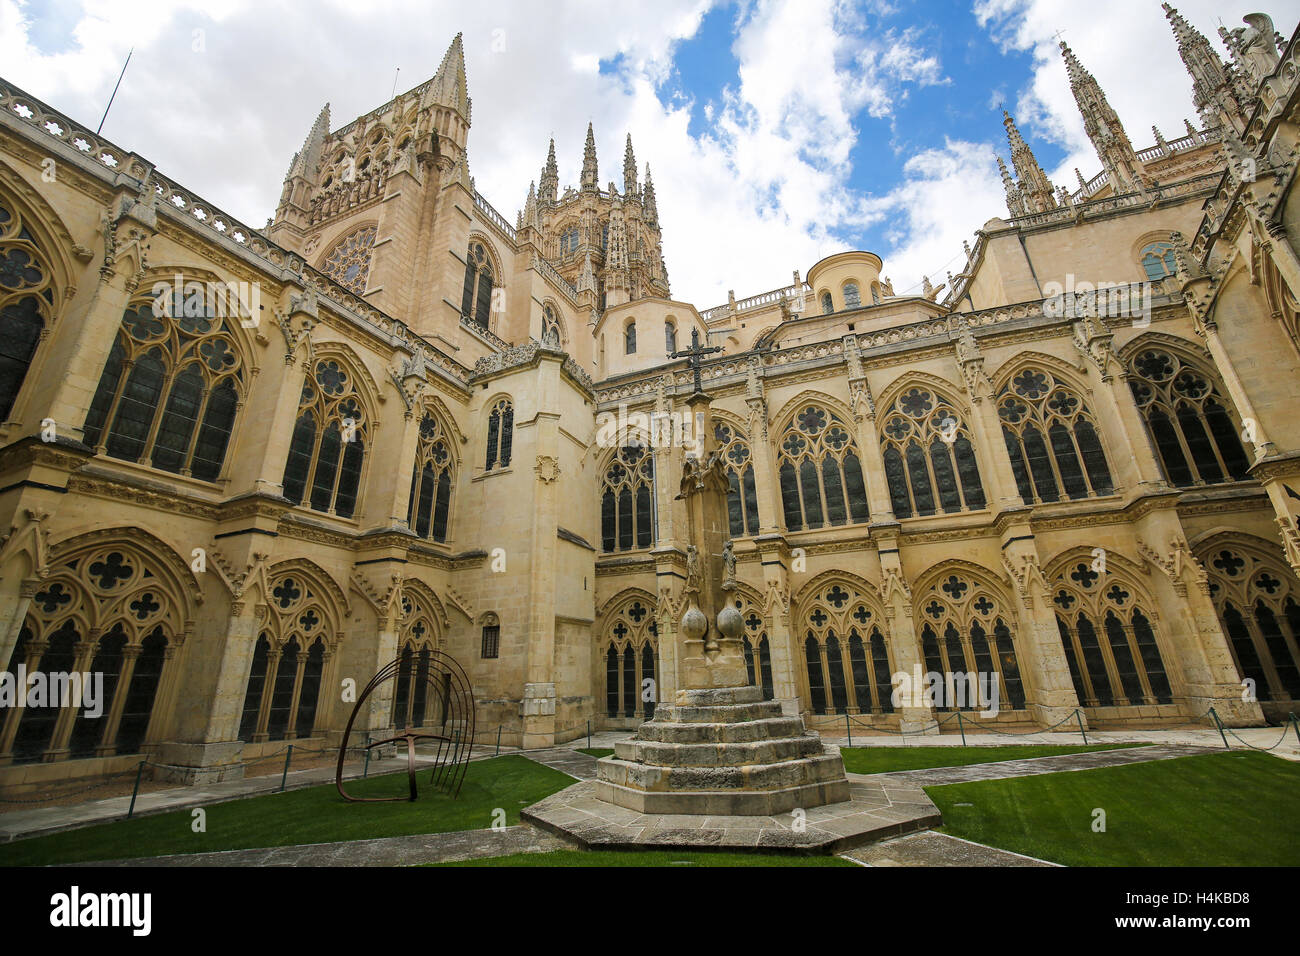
x,y
597,751
651,858
314,815
894,759
1222,809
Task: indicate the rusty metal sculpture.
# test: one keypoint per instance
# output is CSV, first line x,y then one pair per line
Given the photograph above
x,y
453,698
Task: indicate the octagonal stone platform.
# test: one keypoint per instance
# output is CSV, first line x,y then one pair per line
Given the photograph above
x,y
725,752
878,808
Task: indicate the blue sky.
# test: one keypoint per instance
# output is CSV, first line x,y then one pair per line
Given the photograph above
x,y
778,132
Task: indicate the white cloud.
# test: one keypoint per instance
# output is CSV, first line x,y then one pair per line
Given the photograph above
x,y
763,190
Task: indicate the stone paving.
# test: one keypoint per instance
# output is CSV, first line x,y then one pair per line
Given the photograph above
x,y
877,808
1279,741
384,851
566,760
938,849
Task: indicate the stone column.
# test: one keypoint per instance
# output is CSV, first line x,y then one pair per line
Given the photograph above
x,y
85,653
914,713
1190,625
35,650
539,702
75,361
113,719
781,643
1049,689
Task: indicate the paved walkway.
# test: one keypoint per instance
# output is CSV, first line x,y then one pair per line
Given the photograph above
x,y
1283,742
938,776
576,765
938,849
385,851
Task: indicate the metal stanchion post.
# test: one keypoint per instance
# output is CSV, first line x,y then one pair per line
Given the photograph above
x,y
285,776
1226,745
1079,716
848,727
961,729
498,753
138,774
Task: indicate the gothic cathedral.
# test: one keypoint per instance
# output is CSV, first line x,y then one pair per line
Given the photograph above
x,y
241,468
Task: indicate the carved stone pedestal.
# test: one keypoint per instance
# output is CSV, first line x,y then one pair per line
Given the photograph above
x,y
722,752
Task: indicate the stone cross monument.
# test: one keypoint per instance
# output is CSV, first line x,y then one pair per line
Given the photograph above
x,y
718,747
712,655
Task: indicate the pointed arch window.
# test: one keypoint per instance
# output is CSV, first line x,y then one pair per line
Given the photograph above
x,y
820,472
852,297
429,506
1109,640
115,585
1158,260
1052,439
629,339
1194,432
966,637
327,450
283,692
500,434
627,517
550,327
845,654
631,661
929,459
172,385
742,493
26,304
476,300
1258,602
828,305
569,242
757,650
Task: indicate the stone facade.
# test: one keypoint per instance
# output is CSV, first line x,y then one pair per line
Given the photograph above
x,y
242,468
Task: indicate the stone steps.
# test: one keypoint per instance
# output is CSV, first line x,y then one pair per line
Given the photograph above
x,y
730,754
721,751
764,776
717,713
725,802
767,728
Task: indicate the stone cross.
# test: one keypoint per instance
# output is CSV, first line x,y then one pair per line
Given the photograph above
x,y
693,354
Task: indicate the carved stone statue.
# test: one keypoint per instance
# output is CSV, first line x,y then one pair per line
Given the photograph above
x,y
692,569
728,567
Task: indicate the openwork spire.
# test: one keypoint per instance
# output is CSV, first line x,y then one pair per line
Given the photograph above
x,y
629,169
549,184
590,174
1015,205
651,211
1035,189
1215,91
1103,126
